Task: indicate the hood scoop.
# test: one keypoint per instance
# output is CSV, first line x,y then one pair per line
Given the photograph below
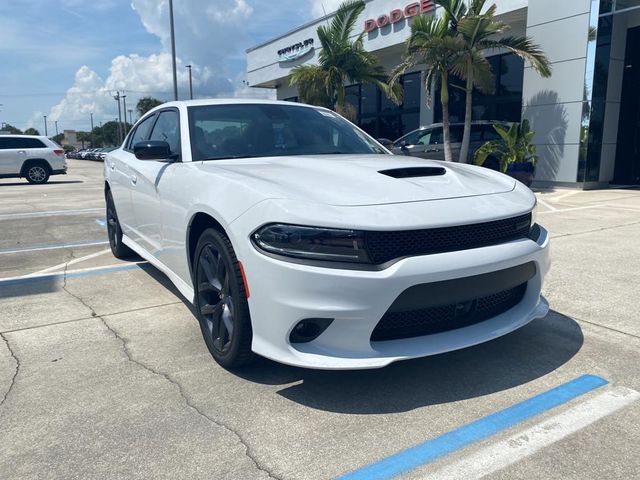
x,y
414,172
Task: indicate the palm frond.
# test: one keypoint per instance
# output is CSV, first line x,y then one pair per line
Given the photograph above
x,y
525,48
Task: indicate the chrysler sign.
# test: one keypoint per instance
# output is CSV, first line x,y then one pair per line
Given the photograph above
x,y
294,52
395,16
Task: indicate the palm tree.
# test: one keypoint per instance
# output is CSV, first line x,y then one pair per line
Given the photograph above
x,y
433,44
481,33
341,61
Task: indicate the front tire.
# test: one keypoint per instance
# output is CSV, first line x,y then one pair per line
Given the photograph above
x,y
119,249
37,173
221,301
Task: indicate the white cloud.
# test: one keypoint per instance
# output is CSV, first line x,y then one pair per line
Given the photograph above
x,y
209,33
319,7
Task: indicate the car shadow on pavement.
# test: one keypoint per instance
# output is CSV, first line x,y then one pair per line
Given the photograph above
x,y
50,182
515,359
530,352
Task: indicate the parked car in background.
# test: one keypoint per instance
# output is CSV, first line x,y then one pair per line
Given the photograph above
x,y
103,153
428,142
35,158
300,238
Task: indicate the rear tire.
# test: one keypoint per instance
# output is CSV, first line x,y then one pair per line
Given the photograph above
x,y
119,249
37,173
221,301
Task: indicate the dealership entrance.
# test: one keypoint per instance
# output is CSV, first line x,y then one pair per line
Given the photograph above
x,y
627,170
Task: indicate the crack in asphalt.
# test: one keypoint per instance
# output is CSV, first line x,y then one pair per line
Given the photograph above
x,y
183,394
15,374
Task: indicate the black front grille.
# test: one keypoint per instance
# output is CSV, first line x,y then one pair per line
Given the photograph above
x,y
428,321
385,246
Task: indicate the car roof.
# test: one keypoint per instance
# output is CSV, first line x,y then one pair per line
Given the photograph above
x,y
12,135
229,101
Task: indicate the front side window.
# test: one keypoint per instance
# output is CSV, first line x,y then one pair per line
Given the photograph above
x,y
167,129
270,130
141,132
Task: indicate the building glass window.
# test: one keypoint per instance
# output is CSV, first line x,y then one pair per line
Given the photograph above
x,y
379,116
504,105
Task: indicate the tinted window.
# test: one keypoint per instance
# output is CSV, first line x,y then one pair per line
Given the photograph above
x,y
167,129
6,143
259,130
455,134
412,90
141,132
476,133
10,143
490,133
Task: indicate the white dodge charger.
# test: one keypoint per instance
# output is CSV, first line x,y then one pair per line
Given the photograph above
x,y
298,237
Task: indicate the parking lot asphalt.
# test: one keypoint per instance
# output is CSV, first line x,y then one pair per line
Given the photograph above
x,y
104,374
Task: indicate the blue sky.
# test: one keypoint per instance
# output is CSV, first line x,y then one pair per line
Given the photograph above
x,y
65,58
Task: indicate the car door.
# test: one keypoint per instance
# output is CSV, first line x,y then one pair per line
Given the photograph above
x,y
149,176
13,153
118,165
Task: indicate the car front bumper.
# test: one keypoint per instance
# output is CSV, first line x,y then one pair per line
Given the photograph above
x,y
282,293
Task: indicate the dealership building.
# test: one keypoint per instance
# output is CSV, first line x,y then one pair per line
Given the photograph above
x,y
586,115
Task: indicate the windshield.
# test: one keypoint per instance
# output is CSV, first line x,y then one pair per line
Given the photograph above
x,y
267,130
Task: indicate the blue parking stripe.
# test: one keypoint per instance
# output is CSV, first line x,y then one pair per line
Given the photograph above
x,y
102,222
481,429
60,276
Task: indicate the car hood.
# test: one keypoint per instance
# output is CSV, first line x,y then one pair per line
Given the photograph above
x,y
352,180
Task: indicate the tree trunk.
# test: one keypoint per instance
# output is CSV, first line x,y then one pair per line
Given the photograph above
x,y
444,99
468,114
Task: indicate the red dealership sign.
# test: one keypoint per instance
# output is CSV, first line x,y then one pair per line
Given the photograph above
x,y
411,10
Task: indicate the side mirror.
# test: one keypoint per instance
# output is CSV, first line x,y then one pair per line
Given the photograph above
x,y
385,142
152,150
403,144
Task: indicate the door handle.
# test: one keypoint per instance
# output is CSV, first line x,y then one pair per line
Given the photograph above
x,y
22,152
113,165
134,179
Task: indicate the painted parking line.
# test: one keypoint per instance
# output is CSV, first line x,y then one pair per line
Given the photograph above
x,y
66,265
52,213
85,272
431,450
49,246
515,448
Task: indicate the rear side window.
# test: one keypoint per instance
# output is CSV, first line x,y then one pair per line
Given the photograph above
x,y
420,137
141,132
13,143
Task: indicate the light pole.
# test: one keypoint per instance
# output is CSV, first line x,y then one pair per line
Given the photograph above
x,y
91,136
131,117
46,133
190,83
124,110
56,128
173,52
117,99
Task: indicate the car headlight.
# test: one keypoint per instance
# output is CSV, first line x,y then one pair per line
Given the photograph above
x,y
313,243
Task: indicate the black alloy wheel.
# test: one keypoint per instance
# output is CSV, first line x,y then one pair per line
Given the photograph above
x,y
114,232
221,302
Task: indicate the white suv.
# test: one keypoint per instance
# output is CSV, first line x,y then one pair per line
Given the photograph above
x,y
32,157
